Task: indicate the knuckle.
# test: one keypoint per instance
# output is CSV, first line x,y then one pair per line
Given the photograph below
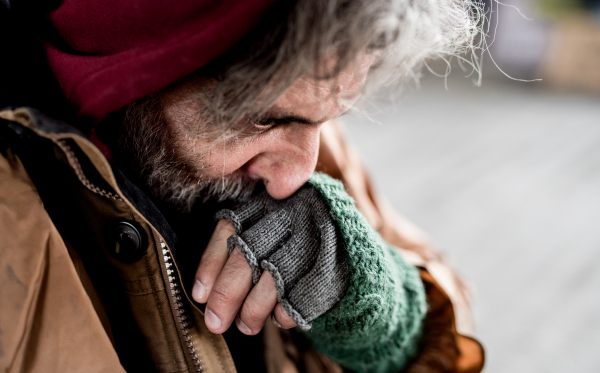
x,y
221,294
251,314
238,261
225,228
207,262
236,255
267,279
207,270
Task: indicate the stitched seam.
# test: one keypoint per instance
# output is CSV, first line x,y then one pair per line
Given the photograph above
x,y
72,159
212,341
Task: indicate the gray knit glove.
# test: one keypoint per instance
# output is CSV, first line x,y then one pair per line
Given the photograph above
x,y
296,241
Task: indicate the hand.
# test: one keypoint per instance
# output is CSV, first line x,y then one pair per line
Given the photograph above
x,y
224,283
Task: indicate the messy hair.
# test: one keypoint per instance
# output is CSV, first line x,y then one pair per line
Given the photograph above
x,y
298,38
317,39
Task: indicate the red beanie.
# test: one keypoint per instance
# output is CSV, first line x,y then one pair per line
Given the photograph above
x,y
109,53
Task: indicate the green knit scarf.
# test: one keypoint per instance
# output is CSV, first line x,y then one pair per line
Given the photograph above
x,y
377,326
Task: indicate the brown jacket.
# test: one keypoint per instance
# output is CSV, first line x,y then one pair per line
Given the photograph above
x,y
70,303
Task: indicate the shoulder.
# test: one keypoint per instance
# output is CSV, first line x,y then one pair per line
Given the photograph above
x,y
24,235
23,219
42,301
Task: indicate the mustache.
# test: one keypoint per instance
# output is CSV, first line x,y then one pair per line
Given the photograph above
x,y
236,187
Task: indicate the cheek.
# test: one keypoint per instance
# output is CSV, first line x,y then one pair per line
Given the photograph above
x,y
225,159
286,156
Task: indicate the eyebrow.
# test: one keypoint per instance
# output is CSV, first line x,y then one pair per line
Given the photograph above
x,y
287,118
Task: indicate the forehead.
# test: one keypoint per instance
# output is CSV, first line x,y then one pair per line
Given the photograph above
x,y
313,99
320,96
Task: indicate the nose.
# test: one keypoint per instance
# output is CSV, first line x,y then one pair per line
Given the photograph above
x,y
287,158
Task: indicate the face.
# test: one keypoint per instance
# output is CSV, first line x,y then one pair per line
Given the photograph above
x,y
279,150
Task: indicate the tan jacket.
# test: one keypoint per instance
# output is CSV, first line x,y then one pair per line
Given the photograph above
x,y
68,304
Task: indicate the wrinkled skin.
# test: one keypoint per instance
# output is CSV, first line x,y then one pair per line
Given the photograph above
x,y
282,156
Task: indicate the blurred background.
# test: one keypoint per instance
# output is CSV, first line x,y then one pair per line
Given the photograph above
x,y
505,179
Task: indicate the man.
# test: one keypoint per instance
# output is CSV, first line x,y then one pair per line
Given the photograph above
x,y
195,111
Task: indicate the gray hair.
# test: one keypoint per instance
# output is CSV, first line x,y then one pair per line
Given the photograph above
x,y
300,36
298,40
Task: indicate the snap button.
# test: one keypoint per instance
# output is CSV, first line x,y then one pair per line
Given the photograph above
x,y
129,243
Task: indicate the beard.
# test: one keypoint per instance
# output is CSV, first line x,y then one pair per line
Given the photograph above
x,y
144,145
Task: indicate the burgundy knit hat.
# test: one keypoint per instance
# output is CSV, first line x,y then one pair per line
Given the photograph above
x,y
109,53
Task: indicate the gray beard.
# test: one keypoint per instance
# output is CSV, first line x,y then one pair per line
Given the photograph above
x,y
183,191
145,146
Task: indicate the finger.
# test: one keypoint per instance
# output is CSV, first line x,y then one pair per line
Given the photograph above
x,y
213,259
228,293
258,305
281,318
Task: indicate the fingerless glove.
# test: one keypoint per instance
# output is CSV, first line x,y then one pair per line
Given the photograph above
x,y
295,240
363,303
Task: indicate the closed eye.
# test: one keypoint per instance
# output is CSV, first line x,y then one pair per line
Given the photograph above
x,y
271,121
256,126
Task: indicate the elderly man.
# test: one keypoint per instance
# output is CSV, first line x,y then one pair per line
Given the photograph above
x,y
176,193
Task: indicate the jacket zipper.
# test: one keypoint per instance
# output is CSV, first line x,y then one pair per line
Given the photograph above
x,y
181,313
174,284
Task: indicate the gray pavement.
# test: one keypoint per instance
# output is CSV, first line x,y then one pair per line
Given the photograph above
x,y
506,180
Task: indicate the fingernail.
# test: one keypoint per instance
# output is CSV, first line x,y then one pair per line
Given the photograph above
x,y
211,320
242,327
199,292
275,322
